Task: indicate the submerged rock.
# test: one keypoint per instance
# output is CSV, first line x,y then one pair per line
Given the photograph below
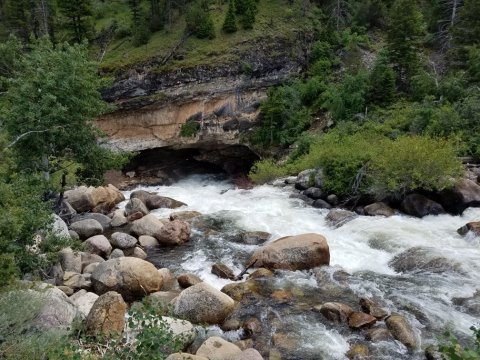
x,y
335,311
298,252
338,217
222,271
473,227
422,259
358,352
157,202
401,330
359,320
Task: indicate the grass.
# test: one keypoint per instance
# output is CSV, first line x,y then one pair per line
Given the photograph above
x,y
275,19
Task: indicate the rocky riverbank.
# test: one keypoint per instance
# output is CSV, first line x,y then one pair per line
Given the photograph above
x,y
256,315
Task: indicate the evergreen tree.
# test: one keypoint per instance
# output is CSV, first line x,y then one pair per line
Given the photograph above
x,y
156,19
229,25
467,30
135,9
79,15
199,22
381,82
18,19
248,18
403,36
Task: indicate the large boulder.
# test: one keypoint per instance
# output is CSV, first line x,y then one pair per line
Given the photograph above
x,y
87,228
118,218
122,240
203,303
107,316
463,194
215,348
98,245
101,199
335,311
420,206
147,241
175,232
142,195
157,202
55,311
298,252
131,277
401,330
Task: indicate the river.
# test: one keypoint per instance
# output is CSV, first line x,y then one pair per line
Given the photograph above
x,y
362,247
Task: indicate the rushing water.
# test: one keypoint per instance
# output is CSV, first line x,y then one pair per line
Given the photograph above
x,y
362,247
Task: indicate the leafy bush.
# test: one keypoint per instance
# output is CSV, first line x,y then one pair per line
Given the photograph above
x,y
189,129
452,350
267,170
199,22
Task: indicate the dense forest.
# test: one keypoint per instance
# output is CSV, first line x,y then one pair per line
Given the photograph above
x,y
387,102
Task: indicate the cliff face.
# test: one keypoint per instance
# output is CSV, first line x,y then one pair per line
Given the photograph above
x,y
222,100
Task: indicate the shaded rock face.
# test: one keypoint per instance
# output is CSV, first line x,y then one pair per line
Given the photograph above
x,y
465,193
131,277
420,206
298,252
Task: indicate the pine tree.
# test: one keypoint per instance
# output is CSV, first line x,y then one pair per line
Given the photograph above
x,y
17,16
248,18
79,15
381,88
467,30
229,25
403,36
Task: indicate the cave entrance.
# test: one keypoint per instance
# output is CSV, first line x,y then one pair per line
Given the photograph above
x,y
170,164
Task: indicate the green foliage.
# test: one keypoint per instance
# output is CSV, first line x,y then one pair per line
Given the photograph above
x,y
346,99
141,34
404,30
10,60
267,170
473,63
370,13
79,21
229,25
466,31
248,19
423,84
381,87
49,110
359,160
452,350
198,20
189,129
284,117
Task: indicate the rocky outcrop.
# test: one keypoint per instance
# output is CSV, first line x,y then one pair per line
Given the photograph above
x,y
298,252
131,277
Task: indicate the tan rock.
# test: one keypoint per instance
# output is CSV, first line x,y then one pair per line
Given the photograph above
x,y
359,320
139,253
185,356
260,273
379,209
135,205
223,271
73,280
131,277
249,354
107,316
298,252
401,330
215,348
335,311
98,245
147,241
184,215
147,225
157,202
358,352
168,279
378,334
84,301
175,232
202,303
373,309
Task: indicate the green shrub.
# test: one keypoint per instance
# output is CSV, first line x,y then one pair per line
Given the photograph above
x,y
199,22
267,170
452,350
189,129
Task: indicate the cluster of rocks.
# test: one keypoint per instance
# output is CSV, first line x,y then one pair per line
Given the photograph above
x,y
455,200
